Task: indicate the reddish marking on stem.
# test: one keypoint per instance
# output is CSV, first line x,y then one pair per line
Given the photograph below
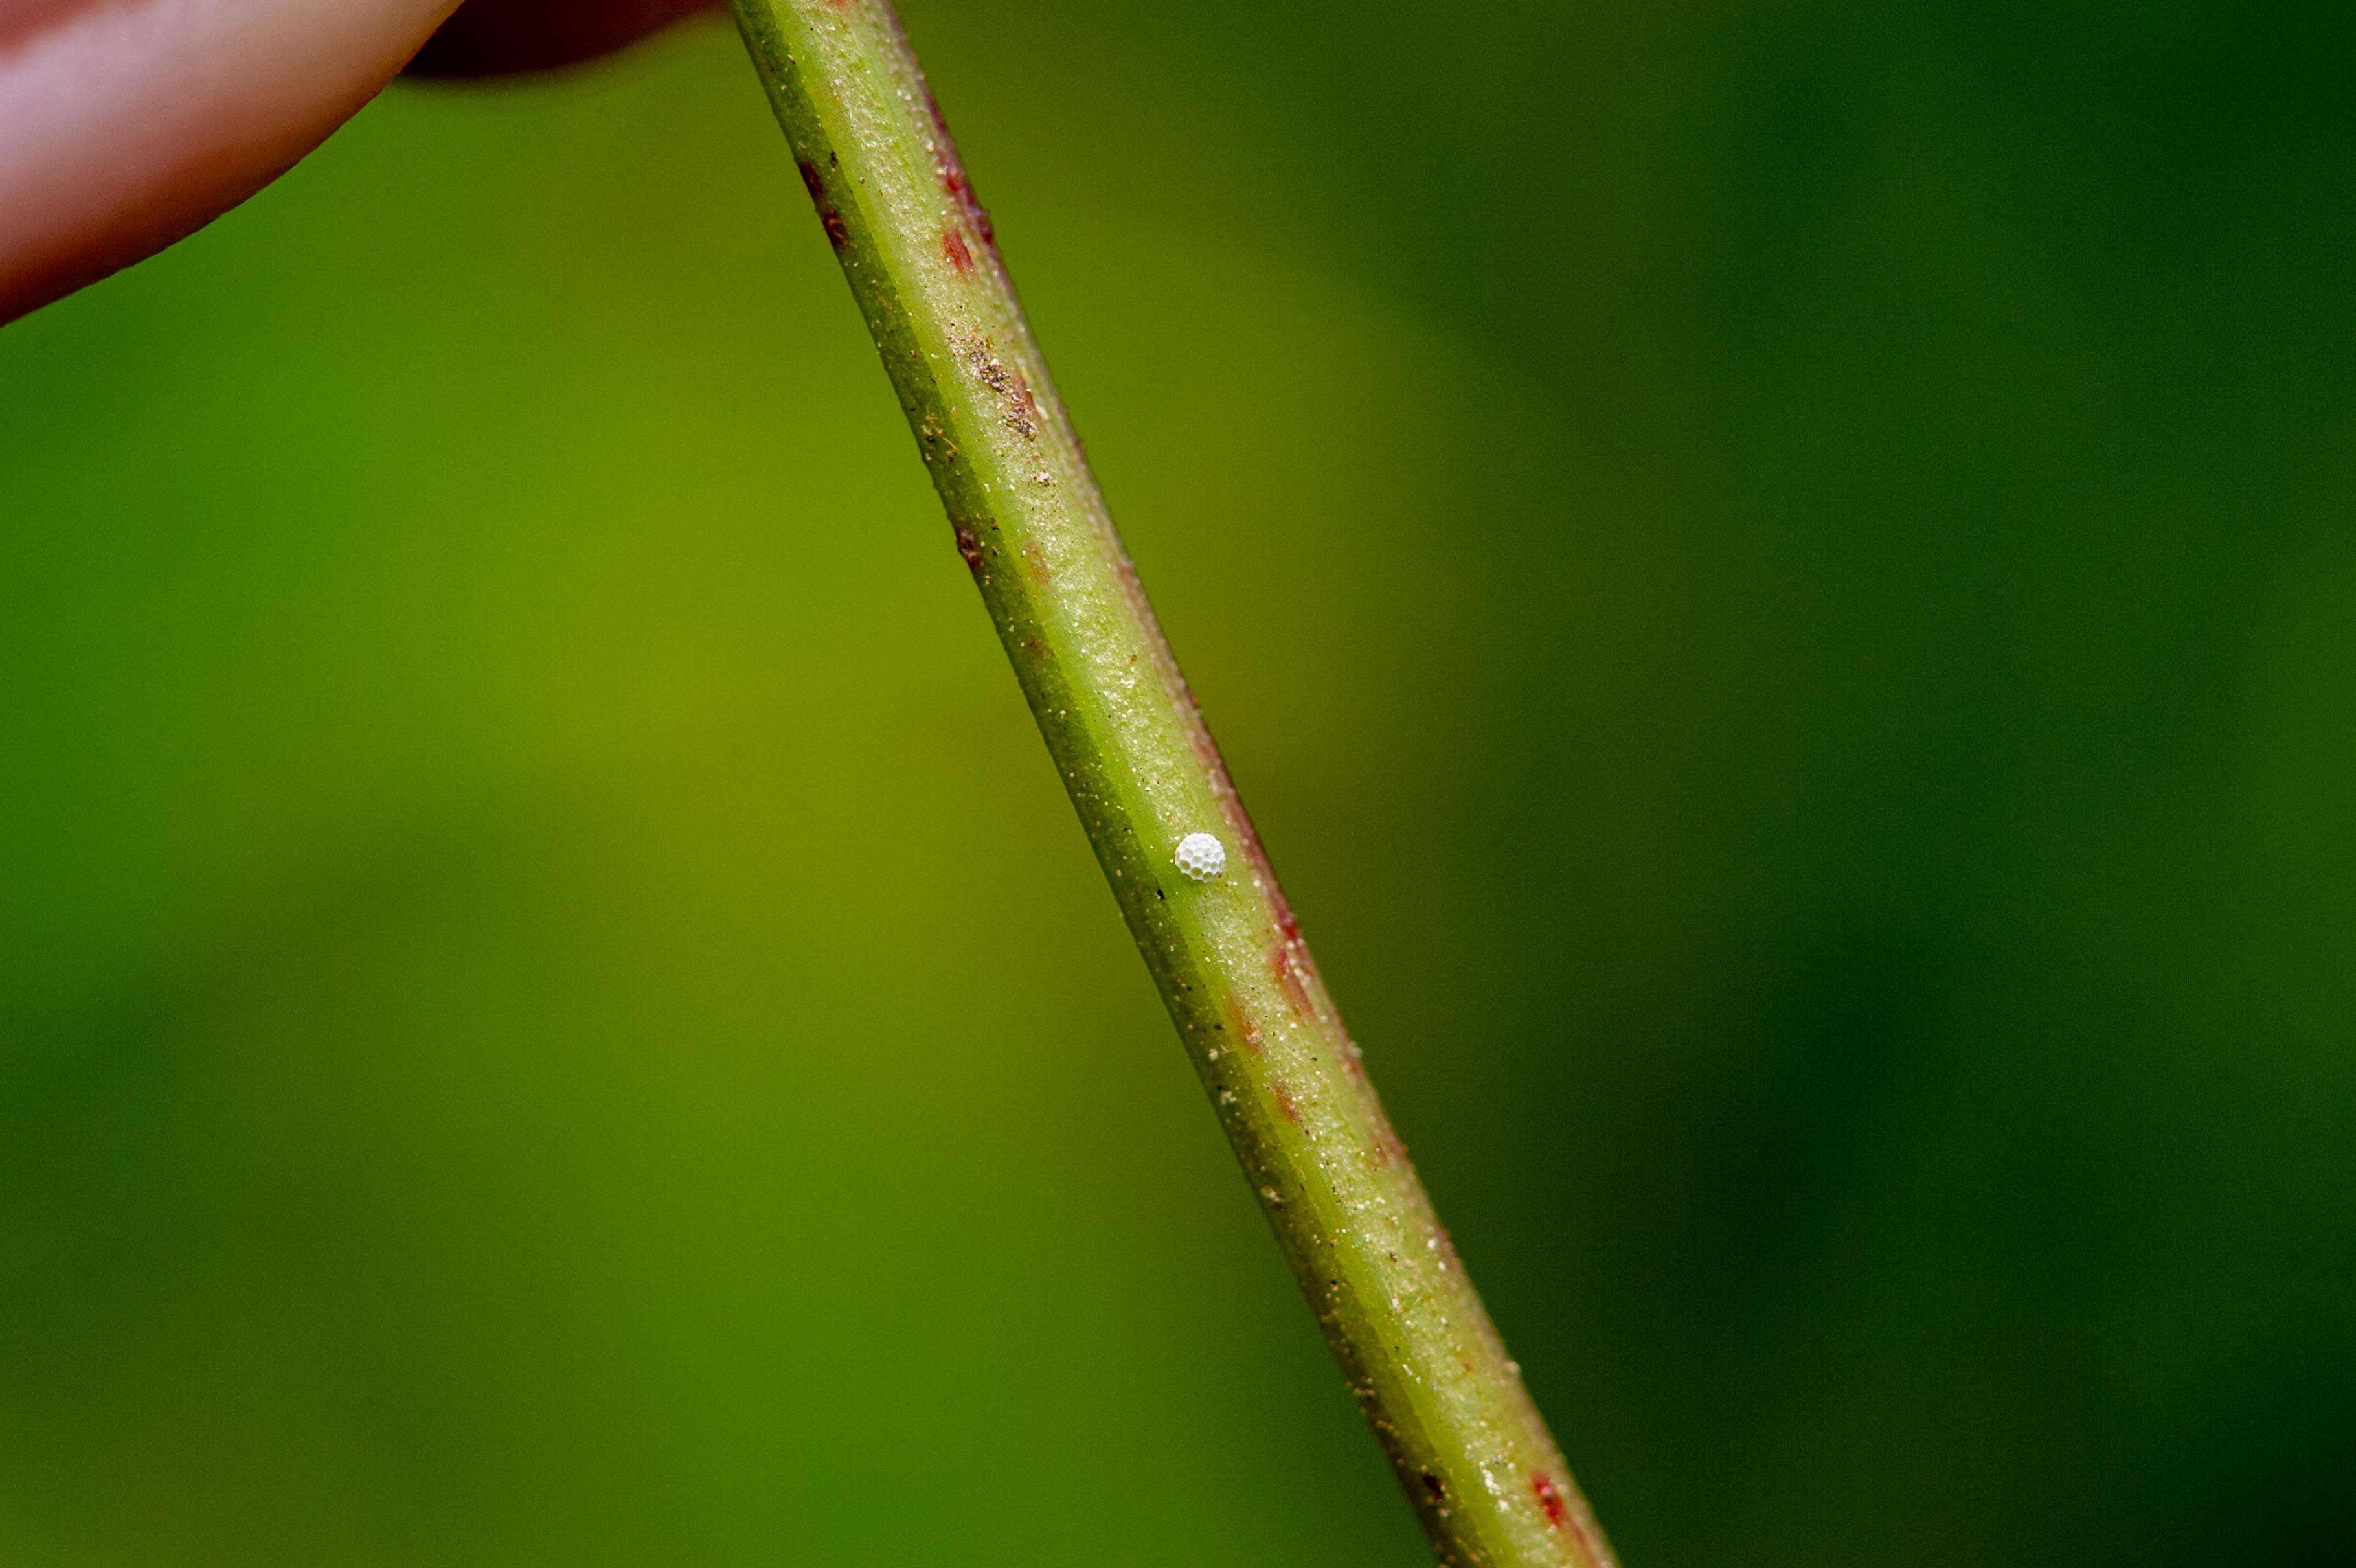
x,y
1292,976
1036,560
968,546
837,234
959,188
1022,409
1281,909
953,246
1248,1036
1580,1522
1550,1497
1284,1100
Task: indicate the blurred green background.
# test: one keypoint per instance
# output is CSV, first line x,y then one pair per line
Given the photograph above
x,y
1778,575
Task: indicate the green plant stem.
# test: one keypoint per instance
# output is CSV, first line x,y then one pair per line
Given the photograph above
x,y
1470,1449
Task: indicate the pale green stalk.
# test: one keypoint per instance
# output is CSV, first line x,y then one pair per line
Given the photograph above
x,y
1417,1348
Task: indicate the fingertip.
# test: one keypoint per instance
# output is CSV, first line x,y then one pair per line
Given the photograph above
x,y
125,126
491,37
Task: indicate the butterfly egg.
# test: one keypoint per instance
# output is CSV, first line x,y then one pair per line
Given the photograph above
x,y
1202,857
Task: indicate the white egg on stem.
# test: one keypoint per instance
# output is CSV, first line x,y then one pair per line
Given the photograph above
x,y
1202,857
